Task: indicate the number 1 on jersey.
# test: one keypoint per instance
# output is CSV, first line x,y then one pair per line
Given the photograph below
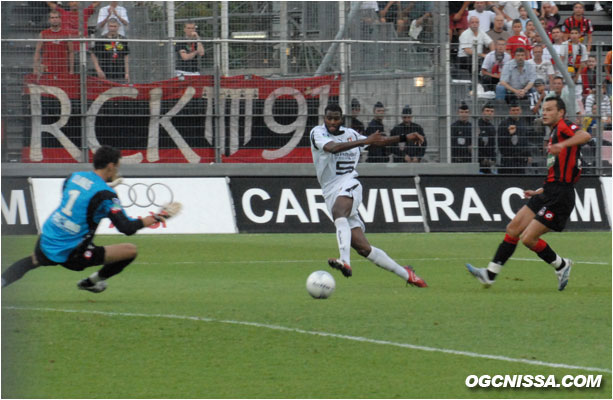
x,y
72,198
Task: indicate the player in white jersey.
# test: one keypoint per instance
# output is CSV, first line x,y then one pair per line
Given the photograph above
x,y
336,152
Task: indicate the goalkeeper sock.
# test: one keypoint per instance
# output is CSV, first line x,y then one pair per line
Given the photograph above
x,y
109,270
343,238
17,270
382,260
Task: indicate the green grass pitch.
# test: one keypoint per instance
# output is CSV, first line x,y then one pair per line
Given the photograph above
x,y
228,316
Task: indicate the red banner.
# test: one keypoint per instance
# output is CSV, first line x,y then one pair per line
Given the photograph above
x,y
178,120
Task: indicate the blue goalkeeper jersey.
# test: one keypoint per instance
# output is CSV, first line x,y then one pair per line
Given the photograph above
x,y
86,199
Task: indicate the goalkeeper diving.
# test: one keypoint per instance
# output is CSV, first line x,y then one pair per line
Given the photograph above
x,y
67,235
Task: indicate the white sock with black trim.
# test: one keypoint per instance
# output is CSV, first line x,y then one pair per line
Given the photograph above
x,y
382,260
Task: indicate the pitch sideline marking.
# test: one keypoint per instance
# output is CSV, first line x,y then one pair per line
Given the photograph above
x,y
316,333
357,260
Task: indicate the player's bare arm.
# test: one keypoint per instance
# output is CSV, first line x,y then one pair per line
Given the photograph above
x,y
579,138
530,193
376,139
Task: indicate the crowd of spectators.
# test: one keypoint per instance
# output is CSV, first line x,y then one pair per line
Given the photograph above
x,y
512,63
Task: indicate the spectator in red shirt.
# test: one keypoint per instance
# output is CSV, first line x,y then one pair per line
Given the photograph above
x,y
70,17
588,76
518,40
584,25
54,57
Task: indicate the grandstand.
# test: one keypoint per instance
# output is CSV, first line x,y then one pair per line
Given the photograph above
x,y
276,40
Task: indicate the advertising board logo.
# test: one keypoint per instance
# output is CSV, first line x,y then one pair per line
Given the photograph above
x,y
143,195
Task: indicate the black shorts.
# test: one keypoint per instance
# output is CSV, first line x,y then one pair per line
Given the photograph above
x,y
554,205
82,257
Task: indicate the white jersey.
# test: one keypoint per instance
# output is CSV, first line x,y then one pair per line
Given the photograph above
x,y
334,169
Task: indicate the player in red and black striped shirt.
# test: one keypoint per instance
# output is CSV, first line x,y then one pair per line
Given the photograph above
x,y
550,206
577,20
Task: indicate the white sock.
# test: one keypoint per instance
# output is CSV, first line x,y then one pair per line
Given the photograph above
x,y
381,259
343,238
494,268
94,278
558,262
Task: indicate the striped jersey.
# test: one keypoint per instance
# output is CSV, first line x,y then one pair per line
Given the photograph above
x,y
566,166
334,169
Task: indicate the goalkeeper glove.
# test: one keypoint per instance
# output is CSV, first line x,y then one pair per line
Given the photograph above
x,y
168,211
116,181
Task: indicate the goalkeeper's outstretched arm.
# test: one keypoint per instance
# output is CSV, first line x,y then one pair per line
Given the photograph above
x,y
129,226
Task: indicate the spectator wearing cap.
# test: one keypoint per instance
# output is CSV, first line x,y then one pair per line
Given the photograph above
x,y
487,140
379,154
517,78
513,142
461,136
411,152
356,124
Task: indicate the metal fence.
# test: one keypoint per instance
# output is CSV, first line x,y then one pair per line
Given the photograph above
x,y
263,82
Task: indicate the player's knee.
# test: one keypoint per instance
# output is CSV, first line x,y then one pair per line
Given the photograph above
x,y
513,229
529,241
340,212
363,249
131,250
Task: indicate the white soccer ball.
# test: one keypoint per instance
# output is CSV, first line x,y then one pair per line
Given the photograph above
x,y
320,285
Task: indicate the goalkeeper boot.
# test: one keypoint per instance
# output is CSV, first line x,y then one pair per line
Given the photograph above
x,y
341,266
86,284
414,279
564,274
481,275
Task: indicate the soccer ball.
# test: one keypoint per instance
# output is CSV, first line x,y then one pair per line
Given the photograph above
x,y
320,285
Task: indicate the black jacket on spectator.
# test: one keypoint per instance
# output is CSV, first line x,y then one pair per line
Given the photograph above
x,y
487,145
411,149
357,125
514,149
376,154
461,140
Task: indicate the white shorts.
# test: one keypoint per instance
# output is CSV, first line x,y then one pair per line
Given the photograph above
x,y
350,188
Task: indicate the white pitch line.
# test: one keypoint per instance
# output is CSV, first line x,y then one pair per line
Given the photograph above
x,y
463,259
317,333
